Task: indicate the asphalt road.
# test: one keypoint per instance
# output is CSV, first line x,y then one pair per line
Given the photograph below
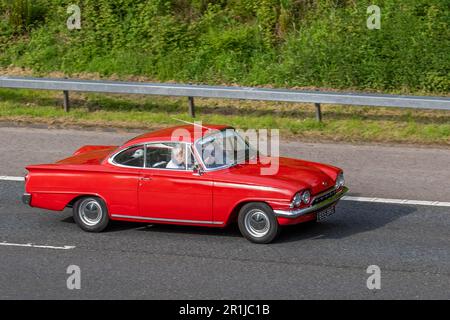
x,y
326,260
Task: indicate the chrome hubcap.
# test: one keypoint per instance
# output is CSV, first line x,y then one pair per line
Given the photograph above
x,y
257,223
90,212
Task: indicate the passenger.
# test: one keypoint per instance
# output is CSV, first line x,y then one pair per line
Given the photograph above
x,y
178,158
213,155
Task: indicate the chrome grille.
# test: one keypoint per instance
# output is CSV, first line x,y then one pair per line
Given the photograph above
x,y
323,197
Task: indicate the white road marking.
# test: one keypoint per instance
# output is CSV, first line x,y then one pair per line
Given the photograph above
x,y
347,198
30,245
8,178
398,201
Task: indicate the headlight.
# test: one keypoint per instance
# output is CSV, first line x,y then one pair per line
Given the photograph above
x,y
297,200
306,197
300,197
340,181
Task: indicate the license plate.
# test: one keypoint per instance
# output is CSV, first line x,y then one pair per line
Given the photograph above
x,y
325,213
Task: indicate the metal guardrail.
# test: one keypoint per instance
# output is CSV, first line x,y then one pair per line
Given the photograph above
x,y
246,93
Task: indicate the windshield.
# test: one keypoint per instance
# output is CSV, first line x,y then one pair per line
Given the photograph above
x,y
223,148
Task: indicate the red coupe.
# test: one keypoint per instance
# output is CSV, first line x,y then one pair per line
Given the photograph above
x,y
189,176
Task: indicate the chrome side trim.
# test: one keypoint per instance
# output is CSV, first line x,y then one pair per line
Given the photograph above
x,y
300,212
166,220
244,186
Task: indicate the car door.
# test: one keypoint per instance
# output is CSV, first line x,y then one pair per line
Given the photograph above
x,y
171,192
120,184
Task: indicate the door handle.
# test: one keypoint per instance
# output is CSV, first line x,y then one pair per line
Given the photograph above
x,y
146,178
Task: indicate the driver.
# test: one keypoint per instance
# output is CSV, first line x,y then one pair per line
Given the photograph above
x,y
178,158
213,155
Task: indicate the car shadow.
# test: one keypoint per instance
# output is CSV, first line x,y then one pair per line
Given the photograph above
x,y
230,231
114,226
68,220
351,218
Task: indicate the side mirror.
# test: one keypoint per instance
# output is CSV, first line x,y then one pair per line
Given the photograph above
x,y
197,170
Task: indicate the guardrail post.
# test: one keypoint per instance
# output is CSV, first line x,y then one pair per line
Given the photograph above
x,y
191,107
66,101
318,112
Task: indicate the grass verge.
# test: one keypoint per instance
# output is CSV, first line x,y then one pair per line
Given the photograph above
x,y
295,121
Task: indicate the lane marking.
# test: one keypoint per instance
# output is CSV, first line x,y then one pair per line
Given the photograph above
x,y
346,198
8,178
30,245
398,201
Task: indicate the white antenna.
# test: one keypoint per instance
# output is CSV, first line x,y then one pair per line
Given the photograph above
x,y
193,123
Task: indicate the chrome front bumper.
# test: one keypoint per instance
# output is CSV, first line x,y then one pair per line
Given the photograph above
x,y
316,207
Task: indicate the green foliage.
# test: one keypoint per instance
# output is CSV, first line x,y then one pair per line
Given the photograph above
x,y
251,42
341,123
23,14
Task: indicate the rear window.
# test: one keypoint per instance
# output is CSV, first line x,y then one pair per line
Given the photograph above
x,y
132,157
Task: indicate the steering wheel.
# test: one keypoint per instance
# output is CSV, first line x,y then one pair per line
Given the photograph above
x,y
159,164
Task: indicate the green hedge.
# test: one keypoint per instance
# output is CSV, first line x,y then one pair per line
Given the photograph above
x,y
277,42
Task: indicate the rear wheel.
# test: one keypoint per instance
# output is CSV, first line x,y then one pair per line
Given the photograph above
x,y
257,223
91,214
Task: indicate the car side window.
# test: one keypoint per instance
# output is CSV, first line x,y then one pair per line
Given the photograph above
x,y
132,157
169,155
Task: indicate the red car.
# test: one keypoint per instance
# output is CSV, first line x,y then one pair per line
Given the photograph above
x,y
187,175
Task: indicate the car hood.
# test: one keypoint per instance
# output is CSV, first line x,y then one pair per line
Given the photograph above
x,y
292,174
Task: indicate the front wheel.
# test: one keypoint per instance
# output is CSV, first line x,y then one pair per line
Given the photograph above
x,y
91,214
257,223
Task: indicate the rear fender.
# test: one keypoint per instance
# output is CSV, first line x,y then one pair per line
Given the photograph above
x,y
58,201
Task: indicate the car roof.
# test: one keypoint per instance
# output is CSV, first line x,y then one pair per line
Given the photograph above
x,y
187,133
